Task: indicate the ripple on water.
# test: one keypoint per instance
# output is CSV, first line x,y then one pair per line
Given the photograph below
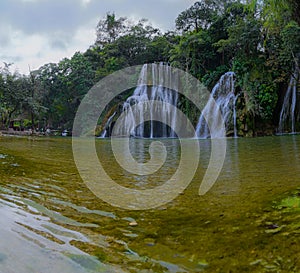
x,y
47,207
27,243
84,209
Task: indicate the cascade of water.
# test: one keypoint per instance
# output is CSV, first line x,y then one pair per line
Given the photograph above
x,y
287,113
293,106
108,126
223,95
150,88
234,117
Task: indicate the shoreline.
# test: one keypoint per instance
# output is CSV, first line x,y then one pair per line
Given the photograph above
x,y
19,133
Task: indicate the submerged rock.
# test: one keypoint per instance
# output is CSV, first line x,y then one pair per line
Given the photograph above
x,y
133,224
274,229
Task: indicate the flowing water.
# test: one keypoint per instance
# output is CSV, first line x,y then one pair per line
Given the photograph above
x,y
223,94
51,222
287,118
156,83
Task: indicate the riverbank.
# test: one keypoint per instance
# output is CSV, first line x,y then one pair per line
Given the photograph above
x,y
20,133
11,132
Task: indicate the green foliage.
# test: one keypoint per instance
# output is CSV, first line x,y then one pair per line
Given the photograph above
x,y
211,78
258,89
267,99
258,40
276,14
14,94
200,15
290,35
110,28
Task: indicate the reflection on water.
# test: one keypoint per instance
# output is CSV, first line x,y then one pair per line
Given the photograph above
x,y
51,222
139,149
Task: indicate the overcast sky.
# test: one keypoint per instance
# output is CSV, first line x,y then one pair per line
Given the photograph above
x,y
36,32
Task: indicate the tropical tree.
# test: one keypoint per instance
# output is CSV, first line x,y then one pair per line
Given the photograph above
x,y
200,15
110,28
13,94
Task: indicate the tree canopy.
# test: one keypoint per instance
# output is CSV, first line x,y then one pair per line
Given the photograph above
x,y
257,39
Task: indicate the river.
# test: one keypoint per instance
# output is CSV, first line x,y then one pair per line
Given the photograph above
x,y
50,221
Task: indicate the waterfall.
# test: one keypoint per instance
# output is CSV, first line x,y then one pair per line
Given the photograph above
x,y
223,94
287,113
150,88
235,135
107,127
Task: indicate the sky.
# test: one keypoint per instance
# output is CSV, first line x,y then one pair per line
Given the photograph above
x,y
37,32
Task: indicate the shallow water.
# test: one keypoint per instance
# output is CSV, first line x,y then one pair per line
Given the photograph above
x,y
51,222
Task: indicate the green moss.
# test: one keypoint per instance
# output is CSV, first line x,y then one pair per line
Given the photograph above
x,y
289,203
292,202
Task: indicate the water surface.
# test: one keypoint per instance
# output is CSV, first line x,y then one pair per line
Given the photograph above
x,y
51,222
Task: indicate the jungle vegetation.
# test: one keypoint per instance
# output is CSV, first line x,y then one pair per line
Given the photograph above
x,y
257,39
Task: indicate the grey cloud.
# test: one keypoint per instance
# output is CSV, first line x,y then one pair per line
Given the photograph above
x,y
49,17
59,20
42,16
160,12
60,40
12,59
5,39
58,44
67,15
